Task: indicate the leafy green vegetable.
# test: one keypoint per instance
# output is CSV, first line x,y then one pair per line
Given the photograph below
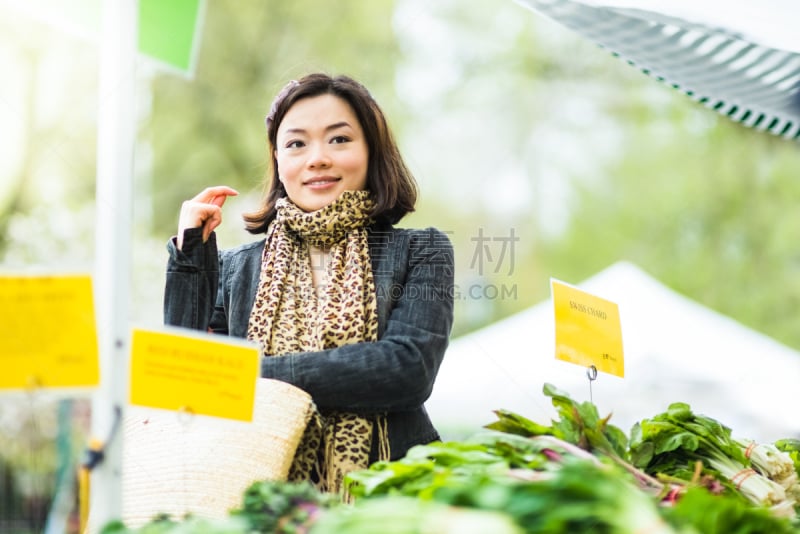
x,y
267,507
578,497
405,515
425,467
673,441
282,507
792,448
720,514
579,424
540,482
771,462
188,525
518,476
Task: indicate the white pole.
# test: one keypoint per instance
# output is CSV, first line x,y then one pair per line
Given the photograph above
x,y
116,135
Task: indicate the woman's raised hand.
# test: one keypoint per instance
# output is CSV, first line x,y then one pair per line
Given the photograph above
x,y
204,210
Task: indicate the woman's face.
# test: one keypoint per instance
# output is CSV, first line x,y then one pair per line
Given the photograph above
x,y
321,151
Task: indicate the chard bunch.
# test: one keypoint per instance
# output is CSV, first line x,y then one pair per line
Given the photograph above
x,y
771,462
398,514
579,423
282,507
777,466
163,524
672,442
581,426
703,512
791,448
543,484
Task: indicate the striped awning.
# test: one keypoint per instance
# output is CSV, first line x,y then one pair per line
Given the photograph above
x,y
753,81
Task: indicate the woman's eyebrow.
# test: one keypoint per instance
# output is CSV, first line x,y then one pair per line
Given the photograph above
x,y
334,126
337,125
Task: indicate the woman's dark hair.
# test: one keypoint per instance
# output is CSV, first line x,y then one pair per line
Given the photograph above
x,y
390,183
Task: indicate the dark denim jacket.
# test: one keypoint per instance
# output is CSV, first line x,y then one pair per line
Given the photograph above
x,y
413,271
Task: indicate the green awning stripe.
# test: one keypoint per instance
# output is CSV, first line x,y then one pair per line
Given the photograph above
x,y
749,83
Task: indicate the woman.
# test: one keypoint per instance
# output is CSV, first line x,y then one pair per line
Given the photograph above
x,y
345,306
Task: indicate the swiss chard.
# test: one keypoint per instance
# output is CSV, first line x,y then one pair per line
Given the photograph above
x,y
673,441
792,448
579,424
546,485
426,467
720,514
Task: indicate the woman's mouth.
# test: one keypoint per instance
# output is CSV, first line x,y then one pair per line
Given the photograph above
x,y
321,182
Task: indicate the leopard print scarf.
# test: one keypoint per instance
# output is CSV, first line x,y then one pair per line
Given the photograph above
x,y
290,316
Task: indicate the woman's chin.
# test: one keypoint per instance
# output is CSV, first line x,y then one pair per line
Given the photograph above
x,y
316,200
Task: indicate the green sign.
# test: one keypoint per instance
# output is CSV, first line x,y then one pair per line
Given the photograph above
x,y
169,30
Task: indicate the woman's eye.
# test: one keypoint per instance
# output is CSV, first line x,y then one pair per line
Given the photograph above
x,y
294,144
340,139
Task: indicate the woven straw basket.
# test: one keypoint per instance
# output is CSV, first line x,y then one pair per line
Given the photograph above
x,y
177,464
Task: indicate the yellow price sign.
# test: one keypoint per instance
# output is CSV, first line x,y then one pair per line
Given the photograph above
x,y
48,334
202,374
588,330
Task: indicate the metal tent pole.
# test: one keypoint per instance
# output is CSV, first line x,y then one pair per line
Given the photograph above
x,y
116,135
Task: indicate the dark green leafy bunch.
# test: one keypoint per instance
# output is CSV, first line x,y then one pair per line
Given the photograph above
x,y
268,507
580,496
427,468
579,424
407,515
187,525
682,444
283,508
556,492
707,513
545,484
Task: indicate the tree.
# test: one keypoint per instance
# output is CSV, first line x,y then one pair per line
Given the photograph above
x,y
710,212
593,162
48,151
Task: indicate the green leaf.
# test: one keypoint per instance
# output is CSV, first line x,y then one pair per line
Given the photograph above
x,y
581,425
514,423
721,514
382,477
114,527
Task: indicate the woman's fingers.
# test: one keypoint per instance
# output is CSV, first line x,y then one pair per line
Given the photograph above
x,y
213,220
213,194
219,200
203,210
194,214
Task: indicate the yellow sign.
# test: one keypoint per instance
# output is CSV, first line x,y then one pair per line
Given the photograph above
x,y
588,329
194,373
48,335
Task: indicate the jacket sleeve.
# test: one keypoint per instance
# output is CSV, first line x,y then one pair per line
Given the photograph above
x,y
397,372
191,295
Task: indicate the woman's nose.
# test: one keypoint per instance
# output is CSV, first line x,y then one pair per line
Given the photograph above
x,y
318,157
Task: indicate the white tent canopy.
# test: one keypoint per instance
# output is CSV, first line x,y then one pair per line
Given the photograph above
x,y
674,348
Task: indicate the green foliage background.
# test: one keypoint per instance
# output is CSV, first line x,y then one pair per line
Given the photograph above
x,y
475,96
495,108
